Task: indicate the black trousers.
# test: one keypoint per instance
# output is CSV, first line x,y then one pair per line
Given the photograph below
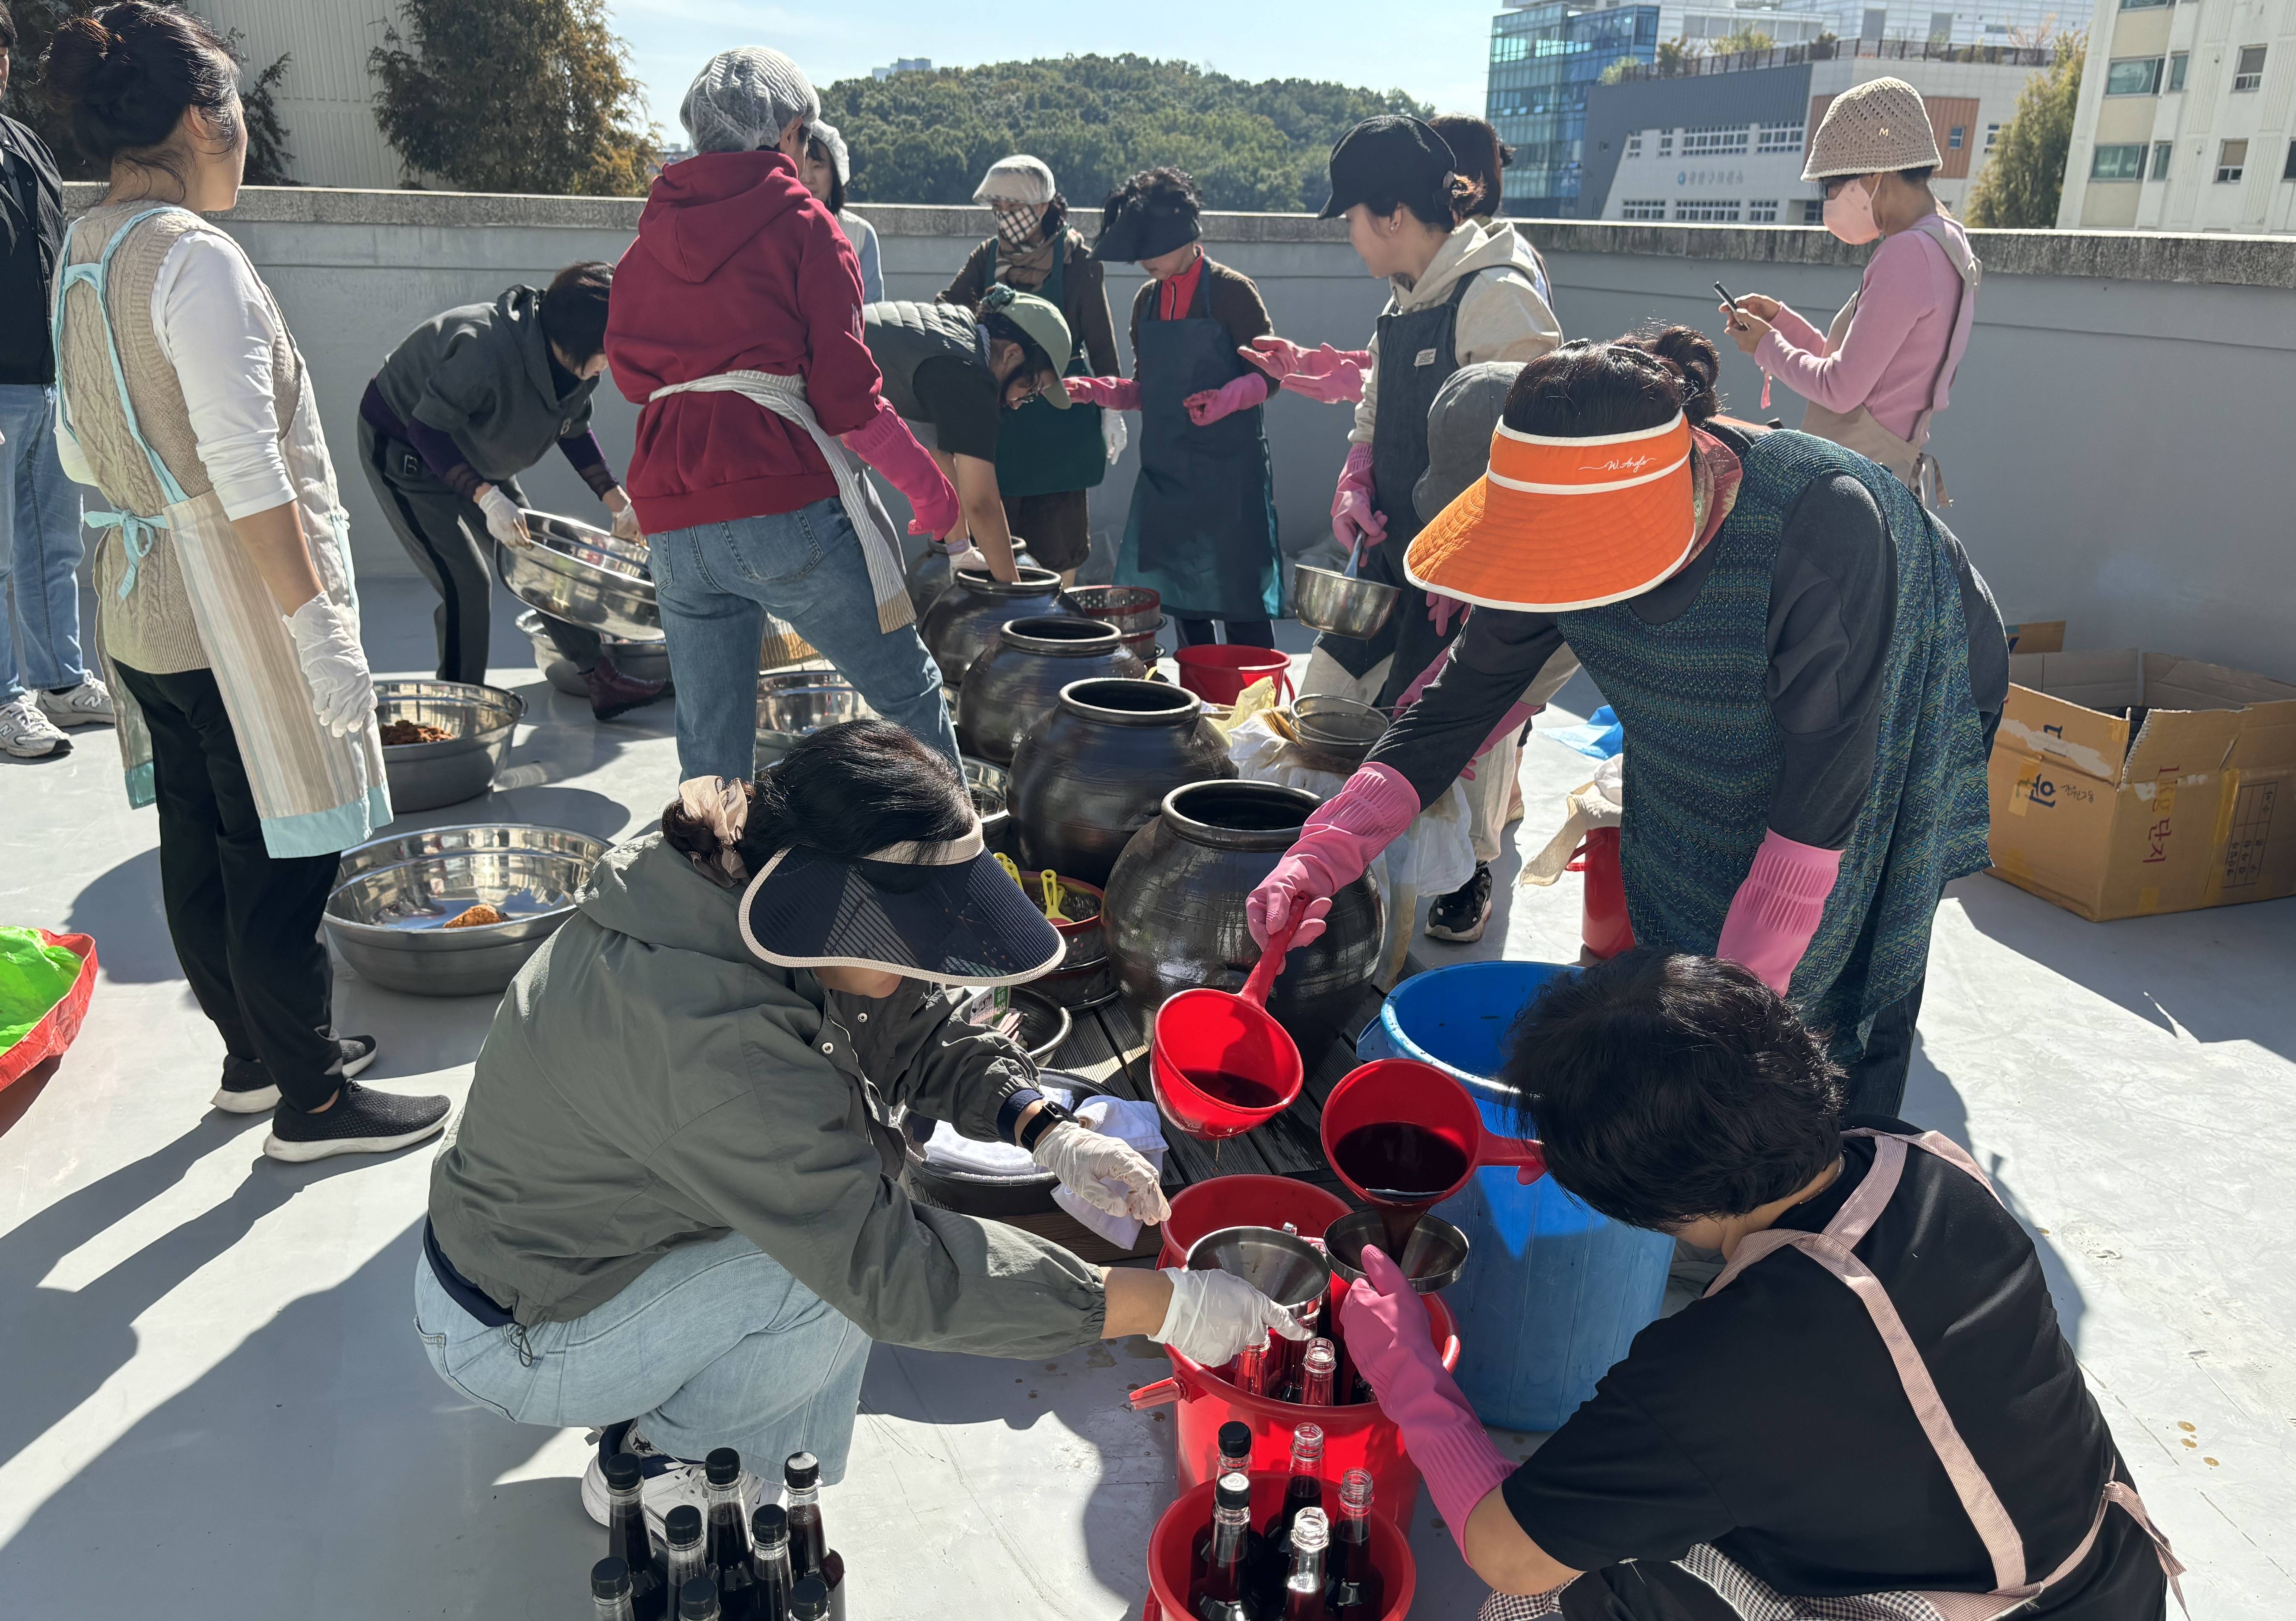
x,y
447,537
1241,632
245,923
1877,1081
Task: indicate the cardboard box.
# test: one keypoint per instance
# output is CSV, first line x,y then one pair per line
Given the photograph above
x,y
2036,636
2126,783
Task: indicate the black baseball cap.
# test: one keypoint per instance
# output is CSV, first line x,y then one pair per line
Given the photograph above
x,y
1389,156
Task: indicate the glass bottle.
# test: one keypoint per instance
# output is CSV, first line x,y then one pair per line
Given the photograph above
x,y
1218,1590
769,1563
1249,1371
610,1589
1303,1589
809,1601
1235,1459
810,1554
1359,1593
628,1540
1317,1367
1304,1491
697,1600
681,1530
725,1534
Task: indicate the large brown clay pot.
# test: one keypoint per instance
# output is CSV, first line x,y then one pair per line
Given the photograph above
x,y
1095,770
963,624
1017,680
1173,910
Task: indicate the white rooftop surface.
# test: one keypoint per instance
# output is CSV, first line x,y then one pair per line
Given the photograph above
x,y
212,1403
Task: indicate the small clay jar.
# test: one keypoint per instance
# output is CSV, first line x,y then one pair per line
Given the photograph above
x,y
1017,680
1095,770
1173,910
963,622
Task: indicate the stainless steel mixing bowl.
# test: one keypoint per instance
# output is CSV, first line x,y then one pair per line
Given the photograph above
x,y
992,787
1326,599
478,721
1337,731
794,704
584,576
1431,1261
639,661
394,896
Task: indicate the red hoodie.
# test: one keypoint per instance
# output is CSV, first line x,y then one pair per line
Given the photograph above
x,y
736,267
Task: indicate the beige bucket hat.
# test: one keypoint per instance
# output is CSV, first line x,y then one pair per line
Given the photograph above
x,y
1879,126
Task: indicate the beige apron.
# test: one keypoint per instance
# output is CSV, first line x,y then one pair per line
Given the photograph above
x,y
1908,459
2013,1584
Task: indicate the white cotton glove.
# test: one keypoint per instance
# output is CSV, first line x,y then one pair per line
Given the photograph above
x,y
334,665
971,558
1107,1175
505,521
626,516
1215,1315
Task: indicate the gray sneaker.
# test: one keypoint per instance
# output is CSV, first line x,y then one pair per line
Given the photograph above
x,y
359,1122
89,704
29,734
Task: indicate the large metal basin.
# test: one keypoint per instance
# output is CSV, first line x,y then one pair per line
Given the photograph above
x,y
639,661
478,721
792,705
584,576
393,897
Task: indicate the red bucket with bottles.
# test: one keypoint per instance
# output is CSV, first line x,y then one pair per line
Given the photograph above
x,y
1172,1558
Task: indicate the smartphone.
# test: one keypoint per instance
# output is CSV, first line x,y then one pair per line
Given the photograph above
x,y
1728,297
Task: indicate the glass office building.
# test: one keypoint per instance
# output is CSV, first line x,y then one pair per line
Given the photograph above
x,y
1544,57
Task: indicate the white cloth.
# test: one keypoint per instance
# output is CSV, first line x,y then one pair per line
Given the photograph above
x,y
1138,1126
215,326
1019,179
948,1150
1601,803
1502,318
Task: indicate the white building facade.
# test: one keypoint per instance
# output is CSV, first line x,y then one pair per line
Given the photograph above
x,y
327,98
2185,121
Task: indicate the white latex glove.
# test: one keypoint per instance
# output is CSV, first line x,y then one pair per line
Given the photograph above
x,y
505,521
1107,1175
1215,1315
626,516
334,665
1112,430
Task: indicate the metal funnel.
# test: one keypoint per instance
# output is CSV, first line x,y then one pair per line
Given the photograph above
x,y
1283,1266
1432,1260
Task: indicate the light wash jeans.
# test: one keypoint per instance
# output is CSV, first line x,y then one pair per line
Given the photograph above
x,y
714,1345
40,548
716,580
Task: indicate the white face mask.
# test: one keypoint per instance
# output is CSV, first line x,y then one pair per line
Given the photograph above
x,y
1850,213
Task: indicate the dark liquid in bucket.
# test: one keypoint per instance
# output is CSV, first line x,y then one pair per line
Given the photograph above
x,y
1236,1090
1402,1169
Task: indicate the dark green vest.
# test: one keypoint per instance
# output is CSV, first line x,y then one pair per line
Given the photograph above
x,y
902,335
1703,751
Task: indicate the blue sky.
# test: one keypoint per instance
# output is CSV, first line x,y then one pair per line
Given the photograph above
x,y
1432,48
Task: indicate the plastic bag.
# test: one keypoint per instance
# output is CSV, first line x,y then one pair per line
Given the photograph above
x,y
45,982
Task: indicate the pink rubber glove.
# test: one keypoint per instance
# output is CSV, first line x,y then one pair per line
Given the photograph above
x,y
1354,518
887,445
1386,1326
1776,910
1112,393
1331,853
1242,394
1340,386
1285,360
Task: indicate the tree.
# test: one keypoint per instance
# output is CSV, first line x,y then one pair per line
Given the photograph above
x,y
1678,56
514,95
2026,174
928,137
1747,37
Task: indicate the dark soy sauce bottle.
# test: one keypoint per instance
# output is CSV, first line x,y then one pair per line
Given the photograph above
x,y
769,1563
697,1600
1304,1491
1235,1459
1358,1592
810,1554
610,1589
628,1540
681,1530
809,1601
1216,1592
726,1545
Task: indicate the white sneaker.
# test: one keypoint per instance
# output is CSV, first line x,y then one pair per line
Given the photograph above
x,y
668,1481
89,704
29,734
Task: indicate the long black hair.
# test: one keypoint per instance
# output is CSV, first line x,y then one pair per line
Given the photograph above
x,y
124,75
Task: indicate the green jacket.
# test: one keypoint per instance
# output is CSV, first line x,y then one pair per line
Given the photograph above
x,y
648,1082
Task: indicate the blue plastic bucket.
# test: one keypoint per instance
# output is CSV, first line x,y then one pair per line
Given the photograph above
x,y
1553,1292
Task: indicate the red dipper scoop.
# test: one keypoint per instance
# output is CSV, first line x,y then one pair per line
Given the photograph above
x,y
1403,1135
1219,1063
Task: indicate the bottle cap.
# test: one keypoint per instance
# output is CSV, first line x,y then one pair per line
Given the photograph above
x,y
682,1525
770,1523
697,1600
622,1473
1355,1489
609,1579
802,1470
1312,1531
808,1600
1235,1438
722,1465
1234,1491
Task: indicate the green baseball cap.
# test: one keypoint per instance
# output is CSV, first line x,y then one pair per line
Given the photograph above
x,y
1042,321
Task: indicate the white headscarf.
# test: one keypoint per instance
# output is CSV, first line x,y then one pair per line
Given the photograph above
x,y
743,100
1019,179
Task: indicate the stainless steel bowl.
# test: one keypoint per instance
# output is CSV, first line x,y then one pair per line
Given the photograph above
x,y
584,576
1337,731
1326,599
478,721
1045,1024
992,789
794,704
639,661
394,896
1282,1266
1431,1261
1133,609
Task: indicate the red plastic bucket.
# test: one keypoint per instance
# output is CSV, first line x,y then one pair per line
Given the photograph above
x,y
1171,1546
1219,673
1245,1201
1602,925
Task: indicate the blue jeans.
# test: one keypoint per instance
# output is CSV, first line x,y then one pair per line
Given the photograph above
x,y
716,581
714,1345
40,548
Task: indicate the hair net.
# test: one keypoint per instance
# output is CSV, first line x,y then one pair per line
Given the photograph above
x,y
743,100
1019,179
834,144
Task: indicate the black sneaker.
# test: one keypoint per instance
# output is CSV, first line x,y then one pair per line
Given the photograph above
x,y
359,1122
1461,915
248,1088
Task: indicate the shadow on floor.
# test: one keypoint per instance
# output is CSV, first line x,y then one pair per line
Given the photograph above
x,y
121,908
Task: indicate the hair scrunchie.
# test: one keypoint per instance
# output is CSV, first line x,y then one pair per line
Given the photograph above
x,y
723,806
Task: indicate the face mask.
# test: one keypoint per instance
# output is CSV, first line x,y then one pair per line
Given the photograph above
x,y
1850,213
1017,223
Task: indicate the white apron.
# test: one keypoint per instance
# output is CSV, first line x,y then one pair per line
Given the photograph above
x,y
1908,458
316,793
2014,1585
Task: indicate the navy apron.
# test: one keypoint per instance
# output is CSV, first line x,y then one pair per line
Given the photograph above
x,y
1203,526
1418,351
1044,450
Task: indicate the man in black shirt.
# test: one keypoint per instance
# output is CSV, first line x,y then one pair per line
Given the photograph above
x,y
1890,1413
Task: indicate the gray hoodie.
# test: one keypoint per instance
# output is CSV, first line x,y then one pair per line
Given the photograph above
x,y
648,1082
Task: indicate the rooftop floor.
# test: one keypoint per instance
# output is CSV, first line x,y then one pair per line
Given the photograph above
x,y
211,1398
